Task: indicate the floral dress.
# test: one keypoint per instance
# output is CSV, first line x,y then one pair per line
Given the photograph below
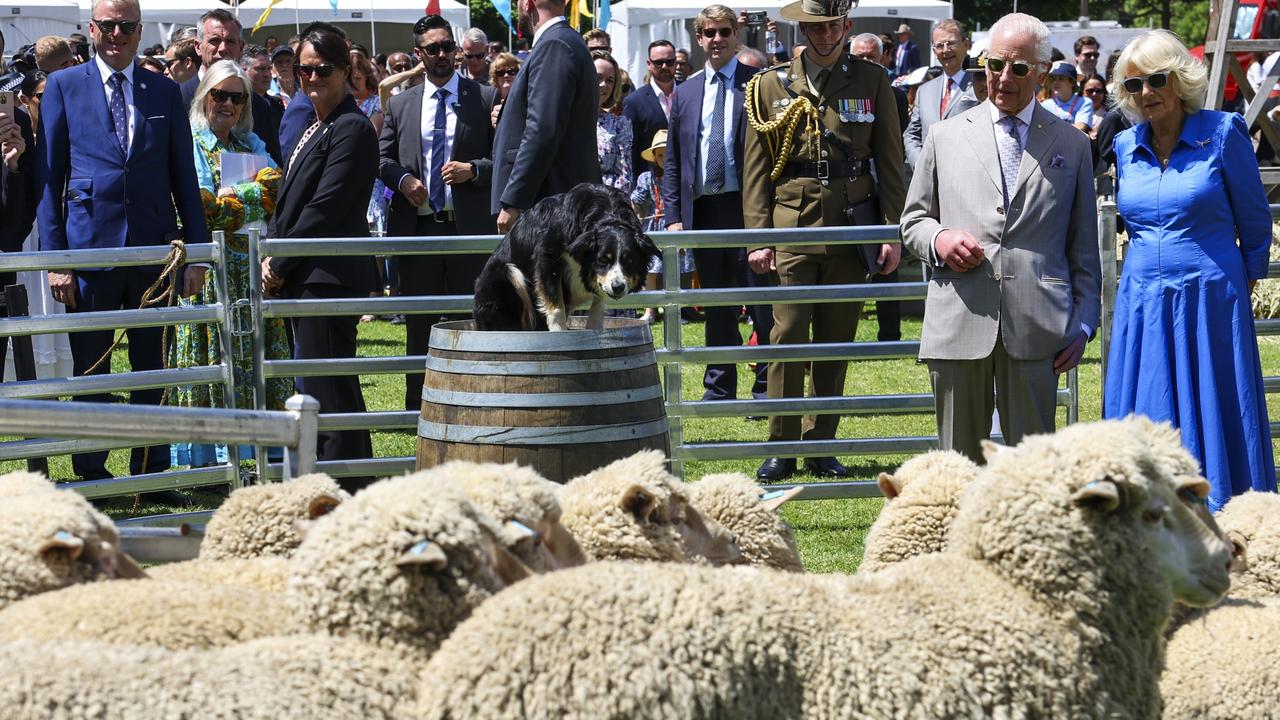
x,y
647,200
199,345
377,213
613,146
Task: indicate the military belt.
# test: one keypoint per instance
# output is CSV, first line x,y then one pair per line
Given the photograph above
x,y
827,169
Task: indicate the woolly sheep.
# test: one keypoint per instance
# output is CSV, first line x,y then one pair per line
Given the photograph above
x,y
1252,520
52,539
262,519
633,509
263,573
1048,602
920,502
21,482
744,509
1225,663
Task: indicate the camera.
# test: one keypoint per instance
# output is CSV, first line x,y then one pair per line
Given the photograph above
x,y
757,17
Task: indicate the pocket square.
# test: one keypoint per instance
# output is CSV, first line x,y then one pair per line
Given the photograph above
x,y
1057,161
155,117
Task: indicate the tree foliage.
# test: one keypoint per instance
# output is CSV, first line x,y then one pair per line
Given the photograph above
x,y
1187,18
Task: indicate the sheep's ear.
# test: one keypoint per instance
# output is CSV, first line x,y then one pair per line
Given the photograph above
x,y
1239,549
424,552
990,450
322,505
523,529
1101,495
61,543
509,568
127,568
639,502
888,485
774,500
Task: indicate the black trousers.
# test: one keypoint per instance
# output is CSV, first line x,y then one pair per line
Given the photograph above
x,y
727,268
432,275
888,312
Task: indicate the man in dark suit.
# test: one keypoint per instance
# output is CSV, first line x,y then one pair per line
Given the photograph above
x,y
115,159
546,137
434,150
218,34
256,63
702,186
908,55
649,107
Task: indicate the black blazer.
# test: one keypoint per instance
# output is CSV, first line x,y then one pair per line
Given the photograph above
x,y
18,194
546,138
400,151
325,194
644,110
263,127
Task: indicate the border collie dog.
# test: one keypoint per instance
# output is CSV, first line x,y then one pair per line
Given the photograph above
x,y
566,250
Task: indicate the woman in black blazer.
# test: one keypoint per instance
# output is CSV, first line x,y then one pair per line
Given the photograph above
x,y
325,191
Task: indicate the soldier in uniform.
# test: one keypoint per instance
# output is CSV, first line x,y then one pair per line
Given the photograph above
x,y
818,127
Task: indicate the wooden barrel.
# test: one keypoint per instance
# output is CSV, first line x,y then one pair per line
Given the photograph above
x,y
564,403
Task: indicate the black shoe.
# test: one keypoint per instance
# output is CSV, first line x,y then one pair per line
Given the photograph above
x,y
826,467
167,497
754,418
776,469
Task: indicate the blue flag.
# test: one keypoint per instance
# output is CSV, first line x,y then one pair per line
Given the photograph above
x,y
334,4
504,9
602,19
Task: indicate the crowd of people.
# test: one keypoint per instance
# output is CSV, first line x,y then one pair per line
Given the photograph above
x,y
991,163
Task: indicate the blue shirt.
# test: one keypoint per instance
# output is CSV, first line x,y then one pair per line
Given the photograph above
x,y
1076,110
710,90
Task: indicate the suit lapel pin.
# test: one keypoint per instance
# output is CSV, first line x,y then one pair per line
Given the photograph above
x,y
844,68
142,86
1039,126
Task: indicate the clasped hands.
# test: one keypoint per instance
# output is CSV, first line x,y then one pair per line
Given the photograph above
x,y
453,172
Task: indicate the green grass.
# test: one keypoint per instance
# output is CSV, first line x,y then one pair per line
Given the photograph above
x,y
829,532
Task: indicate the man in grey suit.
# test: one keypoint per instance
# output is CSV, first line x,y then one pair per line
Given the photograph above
x,y
546,140
434,152
945,96
1002,204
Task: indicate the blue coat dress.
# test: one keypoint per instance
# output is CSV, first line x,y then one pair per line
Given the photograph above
x,y
1183,346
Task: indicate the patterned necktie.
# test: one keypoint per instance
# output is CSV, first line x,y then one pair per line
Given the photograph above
x,y
1010,148
119,114
435,183
946,99
714,181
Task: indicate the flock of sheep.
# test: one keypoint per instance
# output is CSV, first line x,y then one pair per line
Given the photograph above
x,y
1077,575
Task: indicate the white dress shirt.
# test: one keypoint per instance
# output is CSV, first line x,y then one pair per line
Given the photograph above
x,y
106,72
709,94
665,101
429,108
537,34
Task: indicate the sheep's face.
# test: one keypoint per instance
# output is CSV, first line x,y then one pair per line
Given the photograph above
x,y
544,547
703,537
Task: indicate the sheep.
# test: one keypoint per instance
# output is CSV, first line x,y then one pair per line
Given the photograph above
x,y
262,520
1048,601
744,509
920,502
261,573
22,482
1249,520
51,539
633,509
1225,663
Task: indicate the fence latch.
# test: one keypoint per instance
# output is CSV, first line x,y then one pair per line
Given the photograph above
x,y
241,318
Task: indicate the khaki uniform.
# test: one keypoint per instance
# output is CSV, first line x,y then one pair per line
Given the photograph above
x,y
854,90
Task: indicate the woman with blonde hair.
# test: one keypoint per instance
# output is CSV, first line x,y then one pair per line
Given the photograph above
x,y
502,75
1183,344
613,132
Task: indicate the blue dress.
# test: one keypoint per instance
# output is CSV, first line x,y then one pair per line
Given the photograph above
x,y
1183,347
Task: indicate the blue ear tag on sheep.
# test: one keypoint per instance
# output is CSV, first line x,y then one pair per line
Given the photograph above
x,y
63,541
774,500
1101,495
537,536
424,552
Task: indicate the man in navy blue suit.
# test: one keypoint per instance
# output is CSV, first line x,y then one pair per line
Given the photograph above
x,y
702,186
115,158
907,57
649,107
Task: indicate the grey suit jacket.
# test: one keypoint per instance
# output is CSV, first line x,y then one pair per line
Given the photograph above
x,y
400,151
925,113
1040,278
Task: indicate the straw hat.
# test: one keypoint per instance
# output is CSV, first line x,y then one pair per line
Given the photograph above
x,y
659,143
817,10
903,28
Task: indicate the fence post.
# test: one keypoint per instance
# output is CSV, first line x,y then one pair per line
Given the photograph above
x,y
301,460
1109,256
222,292
671,341
259,343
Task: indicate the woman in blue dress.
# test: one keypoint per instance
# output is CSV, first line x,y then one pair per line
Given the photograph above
x,y
1183,346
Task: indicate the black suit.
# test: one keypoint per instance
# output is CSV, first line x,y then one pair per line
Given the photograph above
x,y
401,153
263,127
325,193
644,110
546,138
17,206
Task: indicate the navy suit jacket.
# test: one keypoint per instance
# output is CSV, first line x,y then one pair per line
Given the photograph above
x,y
644,110
684,142
546,136
93,196
298,116
908,60
264,125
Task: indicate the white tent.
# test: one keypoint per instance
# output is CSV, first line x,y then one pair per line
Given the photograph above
x,y
24,21
379,24
633,24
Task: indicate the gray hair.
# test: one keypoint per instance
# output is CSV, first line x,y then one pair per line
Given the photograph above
x,y
1023,24
213,75
753,57
222,16
475,35
868,38
251,53
182,33
1158,51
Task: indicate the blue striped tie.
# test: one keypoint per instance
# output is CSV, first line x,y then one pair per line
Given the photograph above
x,y
436,180
714,181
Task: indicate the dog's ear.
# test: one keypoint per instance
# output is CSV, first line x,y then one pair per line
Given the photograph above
x,y
646,244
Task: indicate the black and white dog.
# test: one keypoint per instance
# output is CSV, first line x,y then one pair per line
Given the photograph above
x,y
566,250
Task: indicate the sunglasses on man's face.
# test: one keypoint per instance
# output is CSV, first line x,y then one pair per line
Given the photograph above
x,y
1155,81
447,47
311,71
663,63
710,33
1018,67
1089,55
221,96
476,56
108,27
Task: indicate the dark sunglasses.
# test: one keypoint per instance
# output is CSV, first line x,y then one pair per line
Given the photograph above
x,y
221,96
506,73
311,71
1089,55
1155,81
1095,91
447,47
662,63
37,96
127,27
1020,69
710,33
399,68
477,56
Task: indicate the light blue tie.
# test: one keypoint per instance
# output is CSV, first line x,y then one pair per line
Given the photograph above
x,y
436,180
119,114
714,181
1009,145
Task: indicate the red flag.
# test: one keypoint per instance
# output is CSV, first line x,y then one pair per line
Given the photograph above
x,y
433,7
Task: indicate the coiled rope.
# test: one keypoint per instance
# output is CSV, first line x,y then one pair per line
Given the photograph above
x,y
799,108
